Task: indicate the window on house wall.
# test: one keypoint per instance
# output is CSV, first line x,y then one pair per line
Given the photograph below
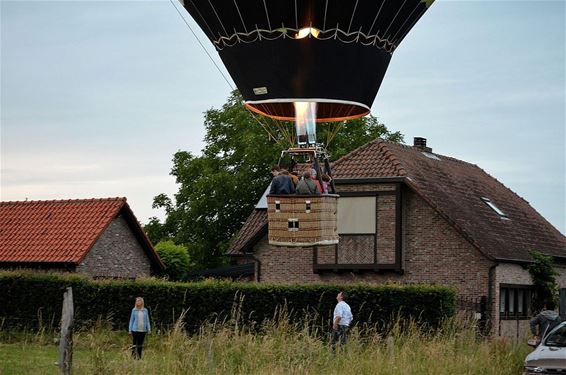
x,y
514,302
356,215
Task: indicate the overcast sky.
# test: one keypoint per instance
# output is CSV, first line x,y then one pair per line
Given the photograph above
x,y
97,96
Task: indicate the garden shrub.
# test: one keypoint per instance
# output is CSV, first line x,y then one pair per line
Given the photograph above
x,y
33,299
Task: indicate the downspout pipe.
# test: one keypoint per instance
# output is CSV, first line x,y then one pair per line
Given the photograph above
x,y
258,267
257,262
490,295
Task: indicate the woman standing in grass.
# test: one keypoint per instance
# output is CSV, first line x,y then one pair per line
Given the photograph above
x,y
138,327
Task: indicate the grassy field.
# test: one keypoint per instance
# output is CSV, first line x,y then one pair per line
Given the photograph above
x,y
279,348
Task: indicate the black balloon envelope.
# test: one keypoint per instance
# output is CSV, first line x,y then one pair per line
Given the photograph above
x,y
332,52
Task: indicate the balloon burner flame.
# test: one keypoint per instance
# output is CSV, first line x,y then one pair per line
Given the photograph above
x,y
305,123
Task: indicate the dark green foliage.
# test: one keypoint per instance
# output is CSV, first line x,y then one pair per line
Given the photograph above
x,y
175,258
543,275
218,189
26,298
155,231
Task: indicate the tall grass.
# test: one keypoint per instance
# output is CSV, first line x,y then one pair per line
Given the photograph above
x,y
283,347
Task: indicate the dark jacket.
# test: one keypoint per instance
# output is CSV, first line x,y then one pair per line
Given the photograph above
x,y
307,187
282,184
545,321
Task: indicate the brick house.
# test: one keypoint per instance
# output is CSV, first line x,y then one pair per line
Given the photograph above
x,y
408,215
95,237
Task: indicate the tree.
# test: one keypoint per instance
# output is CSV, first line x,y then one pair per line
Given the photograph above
x,y
218,189
543,276
175,258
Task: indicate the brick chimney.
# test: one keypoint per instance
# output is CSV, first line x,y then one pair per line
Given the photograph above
x,y
420,144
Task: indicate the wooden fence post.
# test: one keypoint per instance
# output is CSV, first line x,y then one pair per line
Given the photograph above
x,y
66,342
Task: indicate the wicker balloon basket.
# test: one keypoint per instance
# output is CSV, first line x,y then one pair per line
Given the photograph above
x,y
302,220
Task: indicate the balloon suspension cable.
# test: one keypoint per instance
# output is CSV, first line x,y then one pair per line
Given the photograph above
x,y
266,128
331,135
202,45
283,126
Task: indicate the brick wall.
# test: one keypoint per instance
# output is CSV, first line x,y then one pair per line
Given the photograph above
x,y
357,249
117,253
433,252
386,229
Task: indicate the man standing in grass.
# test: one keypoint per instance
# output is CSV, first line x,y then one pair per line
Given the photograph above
x,y
342,320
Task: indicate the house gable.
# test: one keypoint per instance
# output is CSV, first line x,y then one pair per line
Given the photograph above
x,y
116,253
60,234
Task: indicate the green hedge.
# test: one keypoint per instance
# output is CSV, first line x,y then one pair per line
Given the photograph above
x,y
31,300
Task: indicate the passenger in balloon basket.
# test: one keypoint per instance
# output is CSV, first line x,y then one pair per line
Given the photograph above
x,y
295,178
285,172
325,183
307,186
317,183
281,183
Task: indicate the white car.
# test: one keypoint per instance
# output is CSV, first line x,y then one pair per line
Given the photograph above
x,y
550,356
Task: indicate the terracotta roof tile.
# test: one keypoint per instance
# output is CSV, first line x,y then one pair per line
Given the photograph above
x,y
369,160
53,231
455,189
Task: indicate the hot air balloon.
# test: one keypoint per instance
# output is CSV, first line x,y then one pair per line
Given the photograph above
x,y
332,52
309,61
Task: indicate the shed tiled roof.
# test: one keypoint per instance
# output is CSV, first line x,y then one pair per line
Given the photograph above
x,y
453,188
61,231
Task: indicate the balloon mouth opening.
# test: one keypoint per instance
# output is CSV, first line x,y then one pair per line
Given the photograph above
x,y
326,111
307,32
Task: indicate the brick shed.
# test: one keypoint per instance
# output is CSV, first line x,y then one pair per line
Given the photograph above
x,y
408,215
95,237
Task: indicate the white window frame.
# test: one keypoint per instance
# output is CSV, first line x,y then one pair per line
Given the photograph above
x,y
496,209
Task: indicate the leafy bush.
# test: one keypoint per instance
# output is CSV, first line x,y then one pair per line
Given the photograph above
x,y
30,300
175,258
543,276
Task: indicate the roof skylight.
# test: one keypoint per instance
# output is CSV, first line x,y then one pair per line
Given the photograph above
x,y
494,208
431,155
